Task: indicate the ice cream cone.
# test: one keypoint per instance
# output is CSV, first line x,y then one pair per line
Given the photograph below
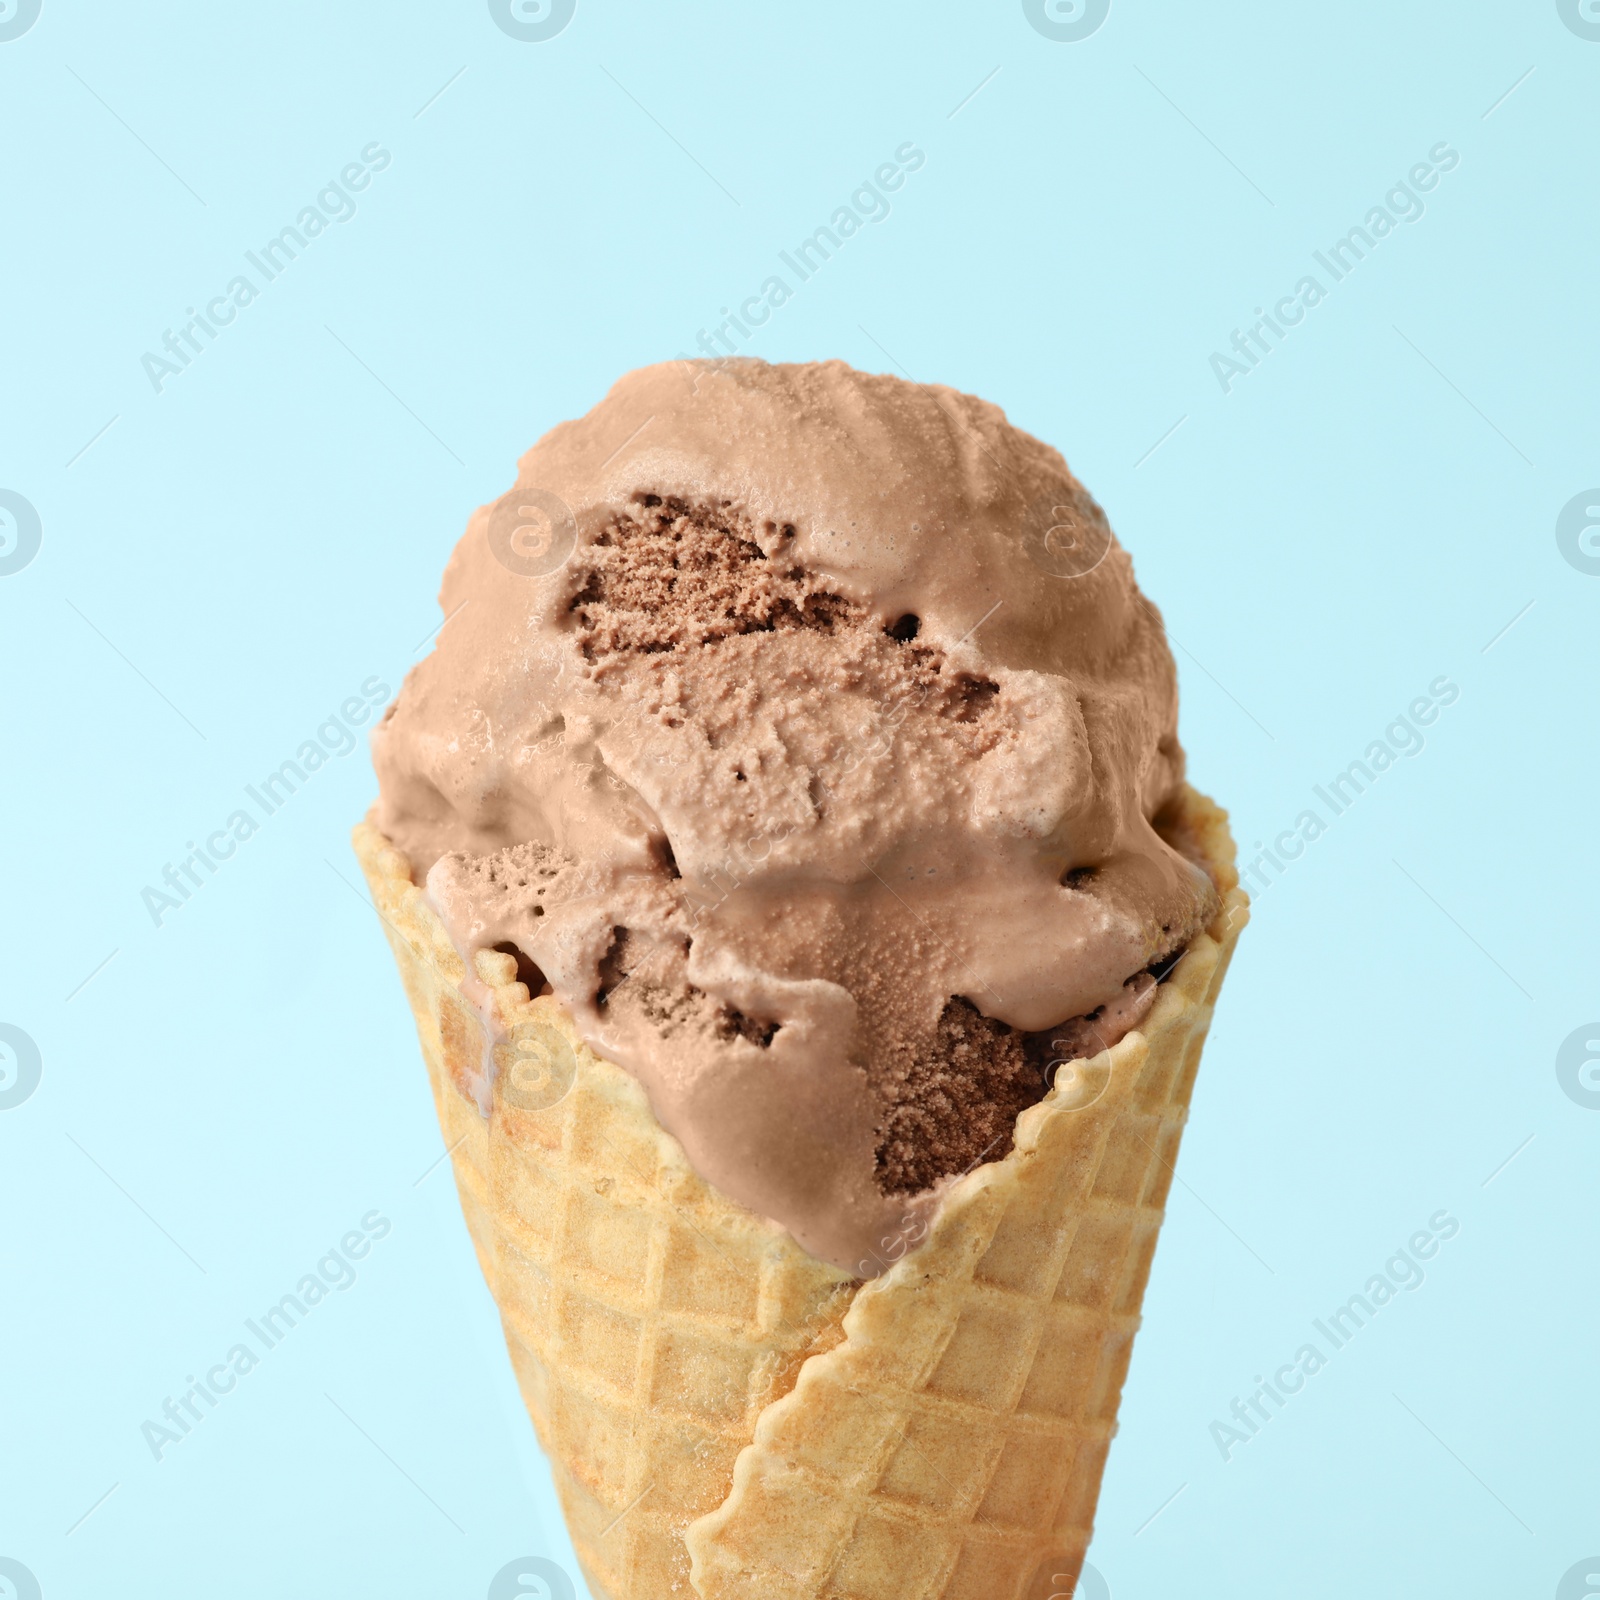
x,y
727,1416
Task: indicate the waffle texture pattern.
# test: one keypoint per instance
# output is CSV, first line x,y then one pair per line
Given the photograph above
x,y
728,1417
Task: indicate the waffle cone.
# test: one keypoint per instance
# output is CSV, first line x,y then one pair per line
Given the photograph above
x,y
728,1417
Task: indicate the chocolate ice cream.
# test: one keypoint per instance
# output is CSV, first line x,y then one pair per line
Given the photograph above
x,y
804,732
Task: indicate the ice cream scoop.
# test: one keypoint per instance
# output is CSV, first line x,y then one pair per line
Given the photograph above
x,y
805,733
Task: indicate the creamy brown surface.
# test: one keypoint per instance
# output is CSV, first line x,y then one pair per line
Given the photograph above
x,y
817,780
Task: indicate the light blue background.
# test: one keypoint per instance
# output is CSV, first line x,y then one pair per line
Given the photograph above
x,y
232,557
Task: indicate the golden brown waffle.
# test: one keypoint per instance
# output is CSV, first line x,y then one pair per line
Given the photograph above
x,y
710,1394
